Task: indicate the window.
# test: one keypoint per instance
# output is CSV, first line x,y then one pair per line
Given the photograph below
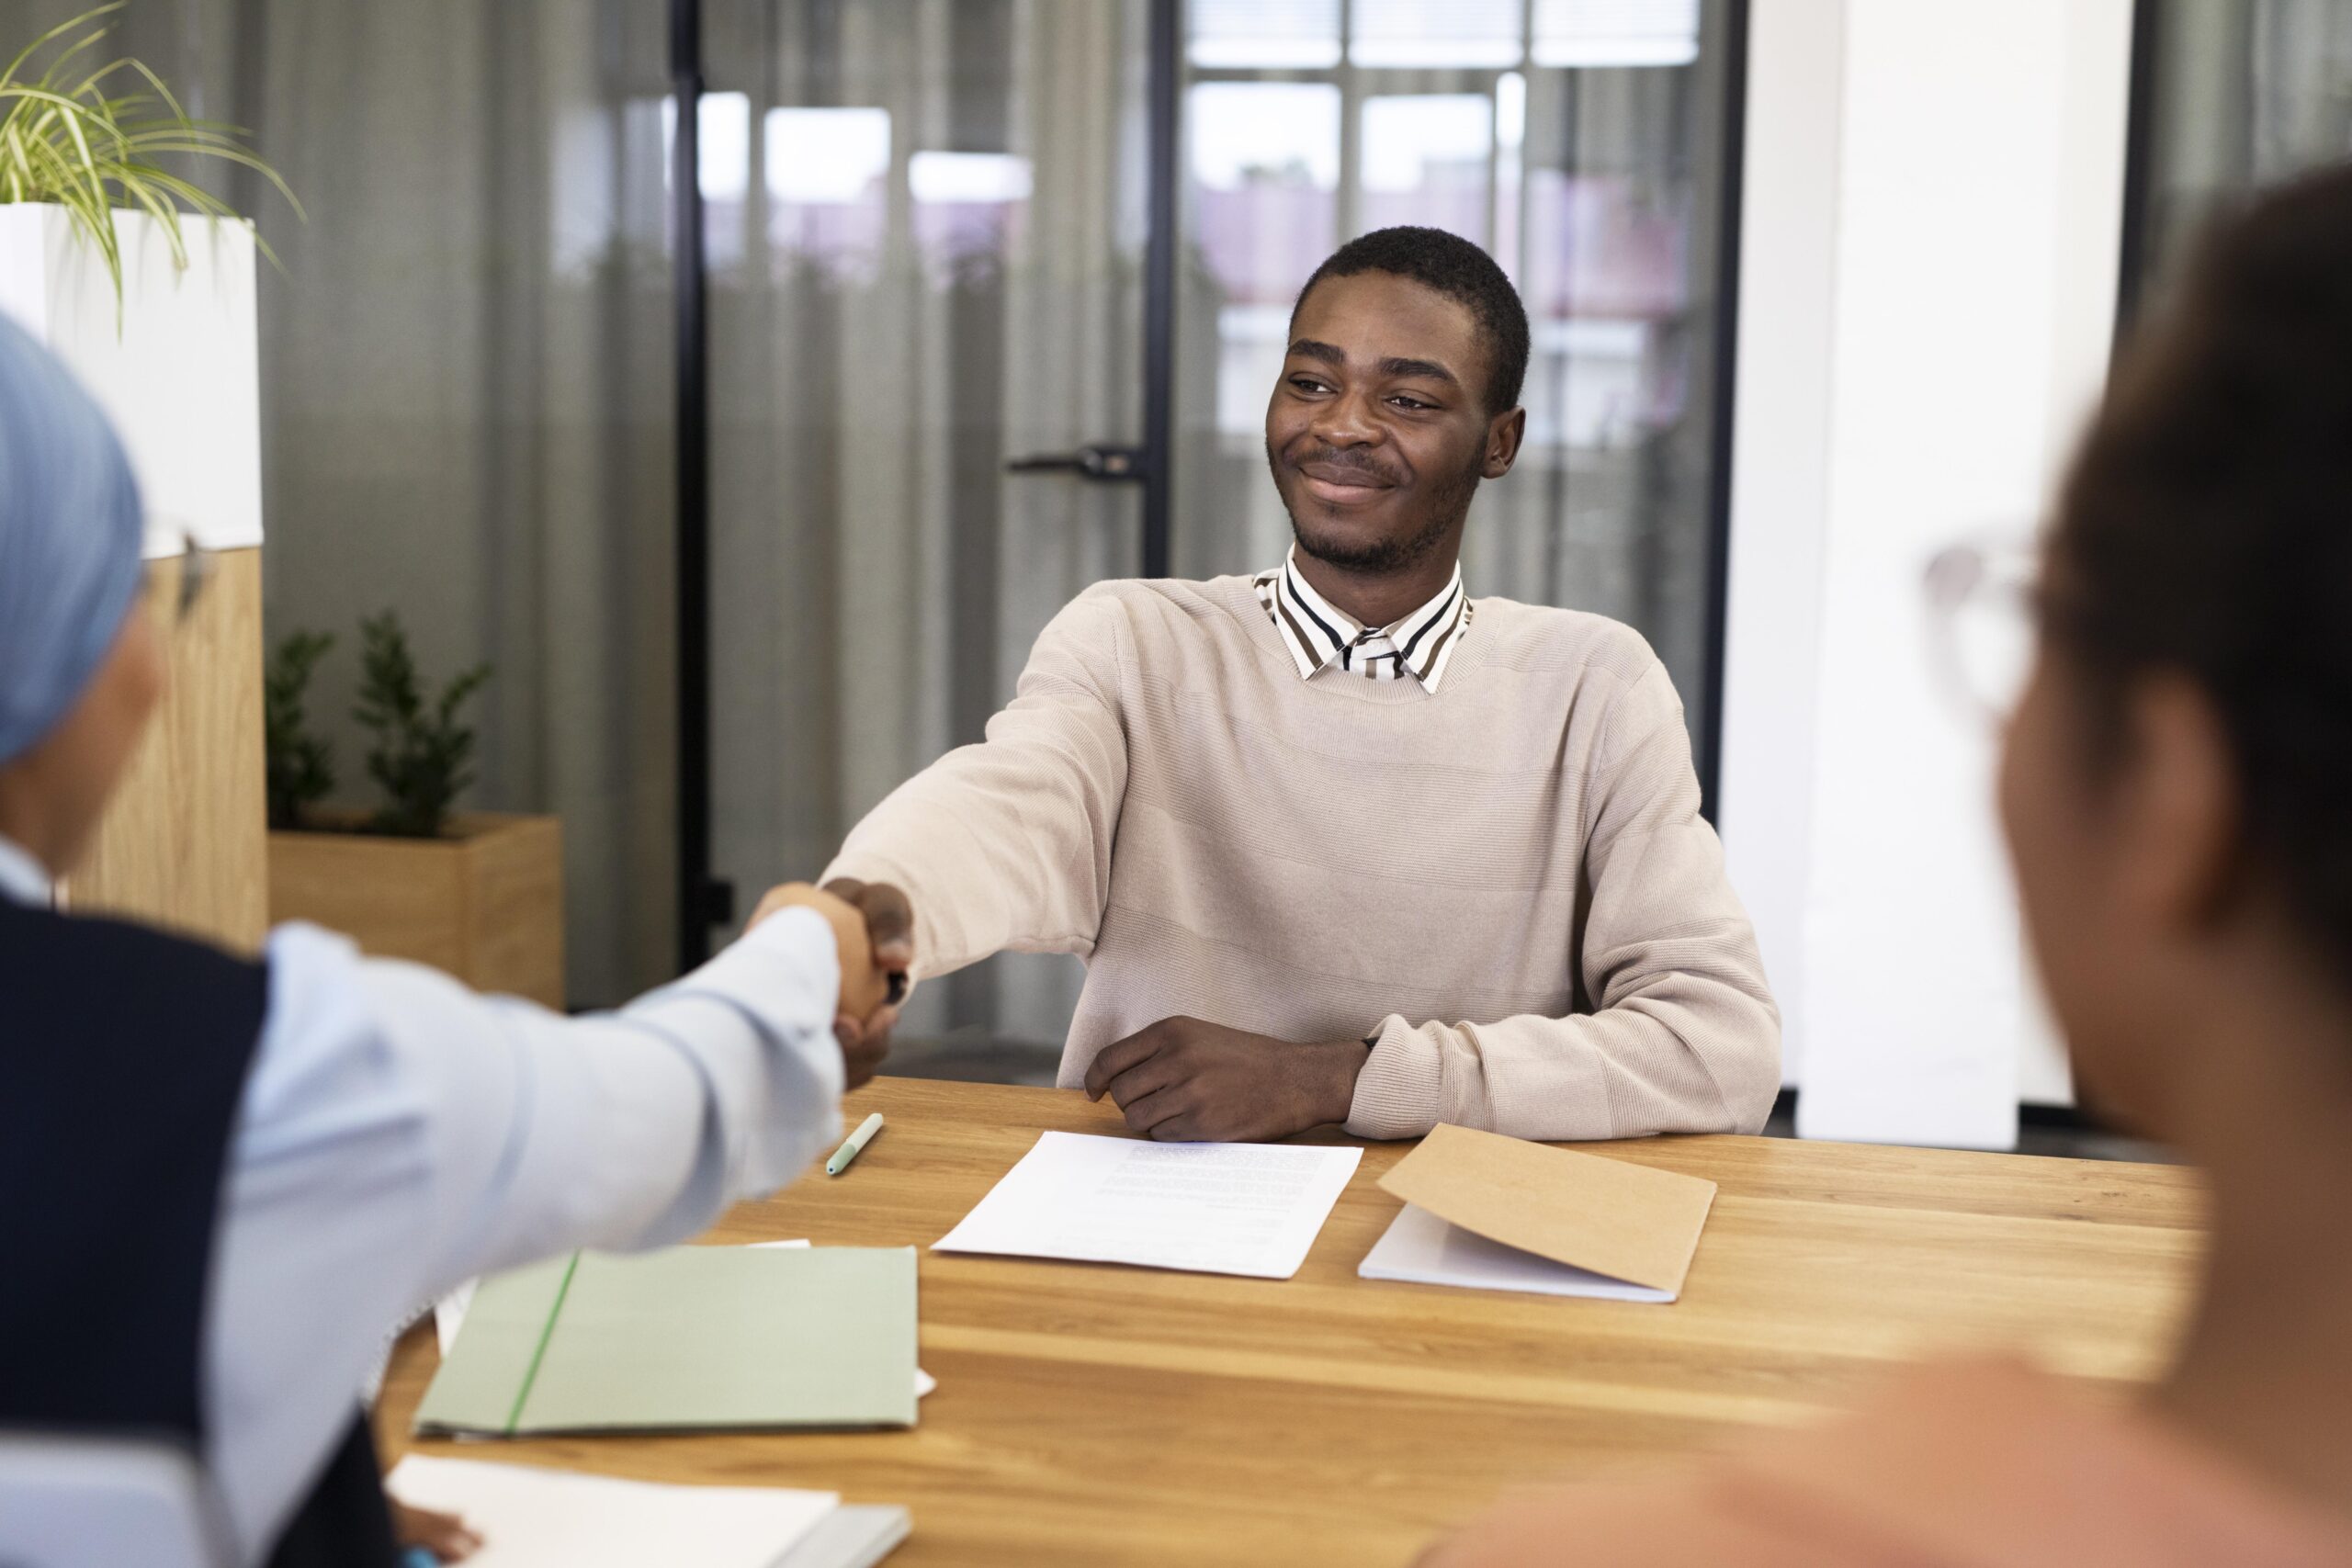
x,y
1577,141
2228,98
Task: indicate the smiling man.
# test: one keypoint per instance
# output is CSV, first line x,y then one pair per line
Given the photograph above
x,y
1339,843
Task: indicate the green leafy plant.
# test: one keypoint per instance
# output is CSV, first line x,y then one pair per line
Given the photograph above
x,y
422,756
73,136
302,764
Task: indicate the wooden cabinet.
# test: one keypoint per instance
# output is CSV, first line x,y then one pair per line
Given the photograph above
x,y
183,844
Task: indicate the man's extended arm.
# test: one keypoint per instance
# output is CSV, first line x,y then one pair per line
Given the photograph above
x,y
1683,1036
1007,845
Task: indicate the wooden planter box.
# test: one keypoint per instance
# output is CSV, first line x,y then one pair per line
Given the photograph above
x,y
485,903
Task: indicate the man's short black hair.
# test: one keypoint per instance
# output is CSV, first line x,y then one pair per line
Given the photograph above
x,y
1460,270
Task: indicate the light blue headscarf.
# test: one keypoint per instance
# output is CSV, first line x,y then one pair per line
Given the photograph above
x,y
70,529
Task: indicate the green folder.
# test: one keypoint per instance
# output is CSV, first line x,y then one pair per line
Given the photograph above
x,y
693,1338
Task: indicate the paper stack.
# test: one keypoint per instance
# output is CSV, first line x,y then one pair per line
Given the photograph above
x,y
1207,1208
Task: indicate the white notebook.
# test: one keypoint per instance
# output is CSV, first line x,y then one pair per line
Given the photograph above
x,y
856,1534
555,1518
1210,1208
1422,1249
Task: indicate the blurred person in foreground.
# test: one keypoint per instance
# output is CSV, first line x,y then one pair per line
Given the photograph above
x,y
2177,790
223,1182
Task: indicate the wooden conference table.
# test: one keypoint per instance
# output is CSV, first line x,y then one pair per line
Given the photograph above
x,y
1089,1414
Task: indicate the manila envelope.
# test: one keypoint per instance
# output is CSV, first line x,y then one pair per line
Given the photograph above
x,y
1628,1222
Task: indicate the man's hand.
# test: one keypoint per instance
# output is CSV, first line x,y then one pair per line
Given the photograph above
x,y
890,926
874,930
1183,1081
889,923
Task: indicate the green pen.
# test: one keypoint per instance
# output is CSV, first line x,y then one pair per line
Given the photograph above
x,y
854,1144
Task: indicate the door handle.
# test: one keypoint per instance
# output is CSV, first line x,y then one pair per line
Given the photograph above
x,y
1104,465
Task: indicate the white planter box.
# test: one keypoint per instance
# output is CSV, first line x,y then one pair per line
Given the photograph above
x,y
178,369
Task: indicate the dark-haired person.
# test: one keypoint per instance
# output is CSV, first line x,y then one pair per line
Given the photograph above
x,y
1340,843
2175,790
222,1182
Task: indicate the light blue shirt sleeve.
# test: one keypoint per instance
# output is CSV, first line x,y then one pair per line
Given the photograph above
x,y
400,1133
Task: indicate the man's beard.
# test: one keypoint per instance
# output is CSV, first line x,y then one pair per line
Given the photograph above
x,y
1449,502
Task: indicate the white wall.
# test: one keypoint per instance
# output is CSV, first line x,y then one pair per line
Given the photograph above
x,y
1929,256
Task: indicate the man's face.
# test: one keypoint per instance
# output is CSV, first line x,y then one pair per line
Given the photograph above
x,y
1378,431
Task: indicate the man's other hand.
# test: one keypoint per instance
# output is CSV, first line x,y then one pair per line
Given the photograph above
x,y
1183,1080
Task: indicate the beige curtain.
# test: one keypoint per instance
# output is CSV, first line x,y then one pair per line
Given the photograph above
x,y
880,577
466,387
468,379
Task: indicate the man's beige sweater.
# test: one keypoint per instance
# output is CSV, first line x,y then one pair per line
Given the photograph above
x,y
1508,881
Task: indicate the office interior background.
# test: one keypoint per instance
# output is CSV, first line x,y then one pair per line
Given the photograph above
x,y
1795,330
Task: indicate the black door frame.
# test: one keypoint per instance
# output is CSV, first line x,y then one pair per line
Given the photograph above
x,y
1167,45
2139,132
1732,149
703,900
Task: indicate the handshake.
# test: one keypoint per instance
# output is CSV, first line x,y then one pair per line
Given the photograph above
x,y
874,928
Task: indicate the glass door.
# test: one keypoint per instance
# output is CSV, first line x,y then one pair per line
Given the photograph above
x,y
926,223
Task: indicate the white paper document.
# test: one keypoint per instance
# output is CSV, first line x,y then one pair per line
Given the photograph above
x,y
1209,1208
554,1519
1422,1249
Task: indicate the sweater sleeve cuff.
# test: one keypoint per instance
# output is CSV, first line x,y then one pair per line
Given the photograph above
x,y
1401,1092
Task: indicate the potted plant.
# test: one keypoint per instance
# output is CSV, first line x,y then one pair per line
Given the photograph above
x,y
477,894
101,260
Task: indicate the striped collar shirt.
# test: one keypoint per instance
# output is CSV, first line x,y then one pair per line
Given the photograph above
x,y
1319,633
